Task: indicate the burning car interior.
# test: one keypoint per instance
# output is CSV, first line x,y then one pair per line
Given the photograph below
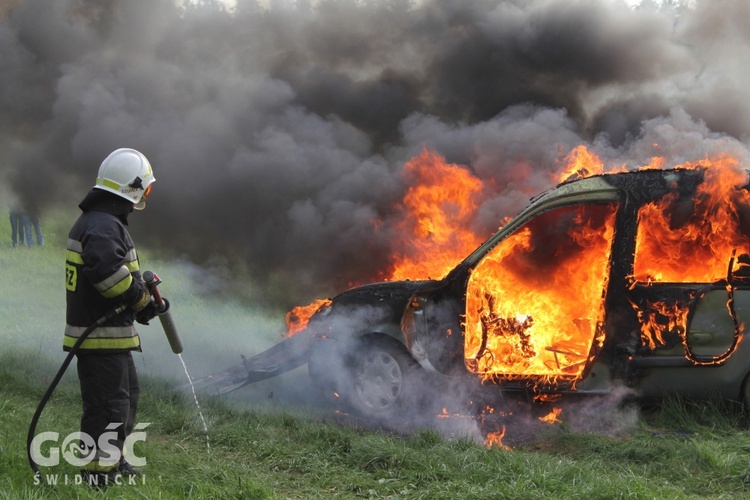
x,y
636,279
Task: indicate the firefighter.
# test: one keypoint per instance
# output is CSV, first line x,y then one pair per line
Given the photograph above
x,y
102,272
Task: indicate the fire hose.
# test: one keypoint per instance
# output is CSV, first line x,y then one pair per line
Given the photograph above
x,y
165,317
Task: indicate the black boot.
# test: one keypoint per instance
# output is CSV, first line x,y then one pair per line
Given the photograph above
x,y
126,469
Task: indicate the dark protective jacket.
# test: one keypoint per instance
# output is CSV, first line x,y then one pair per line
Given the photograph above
x,y
102,271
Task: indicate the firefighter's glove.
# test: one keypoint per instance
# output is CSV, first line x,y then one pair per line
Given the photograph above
x,y
144,308
146,314
143,301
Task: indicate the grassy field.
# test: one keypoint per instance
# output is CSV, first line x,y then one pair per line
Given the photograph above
x,y
271,441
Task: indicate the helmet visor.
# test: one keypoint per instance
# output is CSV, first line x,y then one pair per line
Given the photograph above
x,y
142,203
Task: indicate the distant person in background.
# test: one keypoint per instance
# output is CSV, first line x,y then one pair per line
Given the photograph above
x,y
21,224
35,222
24,230
16,230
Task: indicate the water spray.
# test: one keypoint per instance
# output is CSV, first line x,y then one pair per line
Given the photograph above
x,y
165,317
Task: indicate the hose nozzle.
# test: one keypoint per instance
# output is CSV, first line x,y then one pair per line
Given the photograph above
x,y
162,311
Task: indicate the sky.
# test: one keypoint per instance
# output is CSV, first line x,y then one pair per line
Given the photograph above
x,y
278,133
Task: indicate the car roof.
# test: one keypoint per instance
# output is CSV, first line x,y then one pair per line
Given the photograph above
x,y
639,185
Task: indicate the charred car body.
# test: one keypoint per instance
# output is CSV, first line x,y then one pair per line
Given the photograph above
x,y
636,278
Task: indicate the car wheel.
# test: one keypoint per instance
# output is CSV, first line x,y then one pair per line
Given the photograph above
x,y
384,379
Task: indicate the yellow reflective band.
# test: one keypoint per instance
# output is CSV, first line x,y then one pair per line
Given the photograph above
x,y
112,280
107,183
116,284
103,332
120,288
73,257
116,343
131,261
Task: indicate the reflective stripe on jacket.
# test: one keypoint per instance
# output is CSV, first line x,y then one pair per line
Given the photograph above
x,y
102,271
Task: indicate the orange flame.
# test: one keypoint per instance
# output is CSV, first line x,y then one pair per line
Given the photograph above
x,y
552,417
530,311
297,318
581,163
433,233
438,208
692,239
496,439
660,318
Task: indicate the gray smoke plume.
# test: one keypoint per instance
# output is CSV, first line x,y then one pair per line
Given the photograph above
x,y
278,134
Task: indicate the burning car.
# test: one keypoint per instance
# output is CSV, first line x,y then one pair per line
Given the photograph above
x,y
638,279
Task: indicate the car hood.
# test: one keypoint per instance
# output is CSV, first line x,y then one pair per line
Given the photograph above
x,y
364,308
396,293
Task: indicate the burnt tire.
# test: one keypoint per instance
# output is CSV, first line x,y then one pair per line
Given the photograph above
x,y
384,380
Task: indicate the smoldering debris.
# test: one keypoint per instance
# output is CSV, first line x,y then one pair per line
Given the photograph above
x,y
465,409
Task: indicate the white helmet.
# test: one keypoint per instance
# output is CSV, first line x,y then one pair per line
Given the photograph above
x,y
126,173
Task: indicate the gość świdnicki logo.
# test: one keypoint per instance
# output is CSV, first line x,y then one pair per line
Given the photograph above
x,y
79,449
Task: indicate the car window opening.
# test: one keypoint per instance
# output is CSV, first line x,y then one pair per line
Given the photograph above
x,y
534,303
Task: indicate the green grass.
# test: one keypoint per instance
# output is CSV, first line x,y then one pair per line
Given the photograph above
x,y
262,446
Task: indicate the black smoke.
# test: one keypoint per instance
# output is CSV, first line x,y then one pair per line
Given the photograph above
x,y
278,133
